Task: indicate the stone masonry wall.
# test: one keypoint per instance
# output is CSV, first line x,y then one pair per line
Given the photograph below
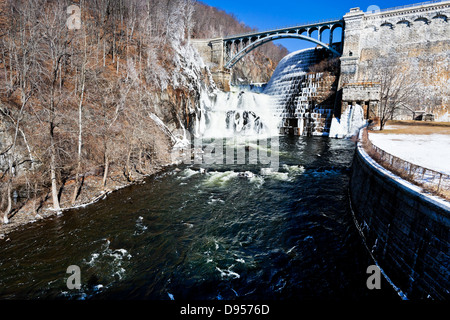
x,y
407,232
417,36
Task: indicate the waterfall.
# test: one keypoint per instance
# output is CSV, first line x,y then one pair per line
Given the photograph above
x,y
244,113
296,101
352,119
240,121
299,94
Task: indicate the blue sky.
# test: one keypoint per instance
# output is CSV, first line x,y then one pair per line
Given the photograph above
x,y
269,14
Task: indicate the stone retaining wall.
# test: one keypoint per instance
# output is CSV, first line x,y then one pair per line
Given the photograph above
x,y
407,230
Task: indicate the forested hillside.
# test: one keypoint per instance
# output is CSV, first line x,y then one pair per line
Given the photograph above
x,y
84,91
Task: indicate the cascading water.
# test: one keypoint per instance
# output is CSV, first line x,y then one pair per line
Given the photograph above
x,y
286,96
296,101
226,114
349,124
301,97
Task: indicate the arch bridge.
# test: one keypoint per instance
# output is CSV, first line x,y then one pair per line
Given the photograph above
x,y
237,47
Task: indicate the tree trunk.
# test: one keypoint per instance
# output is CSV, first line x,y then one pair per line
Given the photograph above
x,y
104,53
114,46
55,198
127,166
76,189
105,173
9,207
80,126
35,200
140,160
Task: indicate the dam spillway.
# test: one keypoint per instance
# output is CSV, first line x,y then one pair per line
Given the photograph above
x,y
303,91
301,99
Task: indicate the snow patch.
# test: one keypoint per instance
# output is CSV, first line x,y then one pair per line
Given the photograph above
x,y
428,151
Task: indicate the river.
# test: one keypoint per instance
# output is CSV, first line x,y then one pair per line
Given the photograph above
x,y
186,234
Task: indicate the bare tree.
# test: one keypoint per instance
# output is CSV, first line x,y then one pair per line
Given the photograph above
x,y
80,119
189,13
19,51
398,86
78,99
55,38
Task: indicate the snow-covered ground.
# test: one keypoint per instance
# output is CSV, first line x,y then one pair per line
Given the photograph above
x,y
429,151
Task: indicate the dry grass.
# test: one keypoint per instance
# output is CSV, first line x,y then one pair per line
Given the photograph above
x,y
415,127
419,123
404,175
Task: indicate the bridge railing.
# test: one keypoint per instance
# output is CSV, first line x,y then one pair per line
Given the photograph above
x,y
285,27
309,23
407,6
431,180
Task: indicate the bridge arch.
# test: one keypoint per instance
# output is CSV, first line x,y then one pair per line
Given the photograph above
x,y
322,30
271,37
311,30
337,25
302,30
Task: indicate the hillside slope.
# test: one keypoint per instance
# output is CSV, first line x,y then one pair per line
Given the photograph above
x,y
86,110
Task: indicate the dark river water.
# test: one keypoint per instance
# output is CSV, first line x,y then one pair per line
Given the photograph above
x,y
184,234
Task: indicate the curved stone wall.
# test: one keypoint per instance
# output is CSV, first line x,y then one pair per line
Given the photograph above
x,y
303,99
406,230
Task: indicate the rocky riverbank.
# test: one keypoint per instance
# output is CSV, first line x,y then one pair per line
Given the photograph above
x,y
92,190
